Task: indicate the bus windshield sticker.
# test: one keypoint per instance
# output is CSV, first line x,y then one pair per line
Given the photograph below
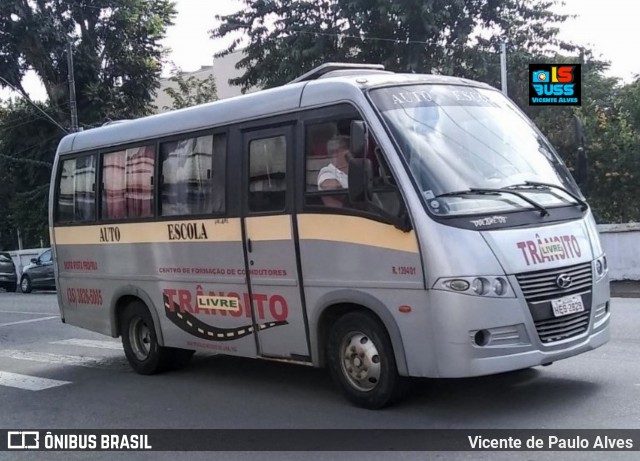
x,y
415,96
489,221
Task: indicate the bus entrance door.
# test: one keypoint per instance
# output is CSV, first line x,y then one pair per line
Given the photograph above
x,y
271,262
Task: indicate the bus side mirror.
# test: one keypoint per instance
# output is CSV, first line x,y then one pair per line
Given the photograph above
x,y
358,139
361,192
360,173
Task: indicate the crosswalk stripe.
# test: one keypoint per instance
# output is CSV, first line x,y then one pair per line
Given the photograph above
x,y
116,346
58,359
22,312
28,321
30,383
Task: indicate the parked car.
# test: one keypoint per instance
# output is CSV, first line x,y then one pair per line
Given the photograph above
x,y
8,277
38,274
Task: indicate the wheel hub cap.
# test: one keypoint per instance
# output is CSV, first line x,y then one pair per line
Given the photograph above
x,y
140,339
360,361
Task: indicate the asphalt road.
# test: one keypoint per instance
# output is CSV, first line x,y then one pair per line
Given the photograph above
x,y
92,386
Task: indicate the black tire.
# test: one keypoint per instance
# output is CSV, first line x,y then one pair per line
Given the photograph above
x,y
25,284
361,361
140,341
11,287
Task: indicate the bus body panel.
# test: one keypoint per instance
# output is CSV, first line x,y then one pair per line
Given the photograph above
x,y
335,248
186,273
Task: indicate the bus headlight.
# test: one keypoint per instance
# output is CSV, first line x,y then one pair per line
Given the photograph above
x,y
496,287
480,286
499,286
600,267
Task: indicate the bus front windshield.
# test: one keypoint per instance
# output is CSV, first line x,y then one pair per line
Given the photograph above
x,y
471,151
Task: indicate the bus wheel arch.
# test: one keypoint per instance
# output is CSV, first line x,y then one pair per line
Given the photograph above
x,y
139,339
361,360
334,312
139,331
125,296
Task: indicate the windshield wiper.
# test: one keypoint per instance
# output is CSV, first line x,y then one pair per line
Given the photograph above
x,y
474,191
544,185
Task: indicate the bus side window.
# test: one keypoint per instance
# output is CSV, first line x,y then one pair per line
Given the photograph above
x,y
76,191
327,161
192,180
128,183
327,169
267,174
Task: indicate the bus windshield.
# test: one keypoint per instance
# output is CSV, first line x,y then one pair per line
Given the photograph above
x,y
471,151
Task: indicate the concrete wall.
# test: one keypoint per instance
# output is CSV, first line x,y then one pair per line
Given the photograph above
x,y
22,258
621,242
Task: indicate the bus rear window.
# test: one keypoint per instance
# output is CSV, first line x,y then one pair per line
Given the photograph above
x,y
76,191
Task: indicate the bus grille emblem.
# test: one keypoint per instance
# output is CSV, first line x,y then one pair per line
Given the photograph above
x,y
564,281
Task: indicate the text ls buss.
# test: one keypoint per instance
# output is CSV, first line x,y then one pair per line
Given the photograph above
x,y
381,225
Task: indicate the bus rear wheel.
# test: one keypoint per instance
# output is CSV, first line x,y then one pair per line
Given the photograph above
x,y
361,361
140,341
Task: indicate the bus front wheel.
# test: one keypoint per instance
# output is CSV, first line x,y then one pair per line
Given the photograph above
x,y
361,361
140,341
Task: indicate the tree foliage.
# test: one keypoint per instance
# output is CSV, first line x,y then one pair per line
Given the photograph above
x,y
27,145
287,38
116,50
117,58
190,91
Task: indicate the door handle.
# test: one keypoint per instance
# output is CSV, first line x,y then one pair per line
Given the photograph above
x,y
249,246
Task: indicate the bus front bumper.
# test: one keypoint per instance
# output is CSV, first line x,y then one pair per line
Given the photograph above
x,y
481,336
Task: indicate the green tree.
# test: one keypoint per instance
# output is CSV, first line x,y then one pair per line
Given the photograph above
x,y
287,38
190,91
27,145
117,61
613,136
116,49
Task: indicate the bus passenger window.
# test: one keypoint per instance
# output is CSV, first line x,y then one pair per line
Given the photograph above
x,y
327,163
267,174
190,169
128,183
76,192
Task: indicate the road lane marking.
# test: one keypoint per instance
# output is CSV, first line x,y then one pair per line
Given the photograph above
x,y
28,321
116,346
29,383
22,312
58,359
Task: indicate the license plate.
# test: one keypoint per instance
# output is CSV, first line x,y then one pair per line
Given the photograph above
x,y
566,306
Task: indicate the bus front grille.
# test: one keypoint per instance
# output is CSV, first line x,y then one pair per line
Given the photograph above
x,y
542,285
557,329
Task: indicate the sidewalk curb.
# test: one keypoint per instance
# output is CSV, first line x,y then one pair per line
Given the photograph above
x,y
625,289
